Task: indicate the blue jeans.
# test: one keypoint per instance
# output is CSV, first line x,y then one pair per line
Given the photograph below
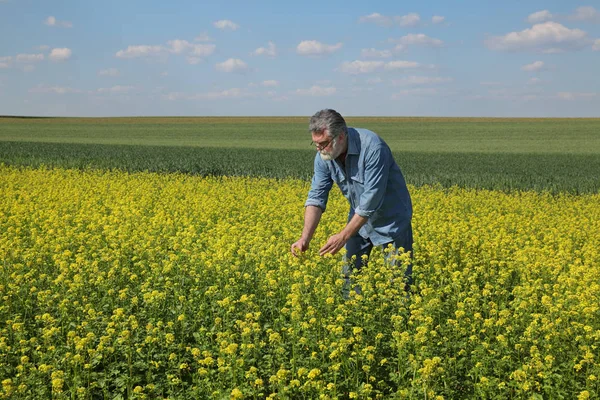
x,y
359,246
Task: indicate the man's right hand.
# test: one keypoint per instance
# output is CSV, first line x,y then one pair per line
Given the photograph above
x,y
299,247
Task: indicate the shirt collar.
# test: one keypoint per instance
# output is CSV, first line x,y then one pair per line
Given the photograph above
x,y
353,142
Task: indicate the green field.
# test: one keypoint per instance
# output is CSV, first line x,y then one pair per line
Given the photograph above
x,y
507,154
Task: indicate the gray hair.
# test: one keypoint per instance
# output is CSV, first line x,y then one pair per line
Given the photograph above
x,y
329,120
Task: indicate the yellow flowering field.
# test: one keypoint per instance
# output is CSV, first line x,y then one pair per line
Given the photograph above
x,y
138,285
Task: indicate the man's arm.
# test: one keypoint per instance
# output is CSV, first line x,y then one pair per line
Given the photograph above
x,y
312,216
337,241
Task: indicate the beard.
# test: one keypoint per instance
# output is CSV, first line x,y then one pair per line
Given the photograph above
x,y
336,150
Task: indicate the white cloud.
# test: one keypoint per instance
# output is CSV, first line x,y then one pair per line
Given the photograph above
x,y
363,67
270,83
373,53
596,46
534,81
421,80
360,67
575,95
226,24
118,89
60,54
377,19
437,19
314,48
179,46
43,47
395,65
539,16
534,66
194,52
418,39
586,14
52,21
109,72
5,62
232,65
270,51
549,37
141,51
415,92
53,89
29,58
408,20
203,37
28,68
317,91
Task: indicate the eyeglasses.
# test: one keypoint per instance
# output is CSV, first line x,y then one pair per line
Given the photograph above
x,y
321,146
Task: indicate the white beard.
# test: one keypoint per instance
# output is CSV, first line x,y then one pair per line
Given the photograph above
x,y
335,152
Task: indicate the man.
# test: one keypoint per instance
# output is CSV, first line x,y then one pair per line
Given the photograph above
x,y
362,166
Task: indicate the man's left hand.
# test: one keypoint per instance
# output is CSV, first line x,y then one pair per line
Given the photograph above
x,y
334,244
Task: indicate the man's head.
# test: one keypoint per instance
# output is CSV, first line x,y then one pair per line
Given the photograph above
x,y
329,133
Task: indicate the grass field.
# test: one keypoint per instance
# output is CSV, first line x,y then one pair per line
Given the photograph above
x,y
557,155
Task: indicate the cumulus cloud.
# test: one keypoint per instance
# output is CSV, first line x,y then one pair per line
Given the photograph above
x,y
437,19
194,52
270,50
534,66
109,72
596,46
60,54
539,16
232,65
52,21
29,58
374,53
398,65
549,37
421,80
586,14
142,51
226,24
364,67
534,81
417,39
270,83
5,62
408,20
53,89
575,95
315,48
317,91
377,19
360,67
117,89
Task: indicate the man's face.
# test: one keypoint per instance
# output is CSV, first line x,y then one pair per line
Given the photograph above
x,y
328,148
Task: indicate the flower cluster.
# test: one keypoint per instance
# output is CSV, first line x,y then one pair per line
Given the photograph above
x,y
153,285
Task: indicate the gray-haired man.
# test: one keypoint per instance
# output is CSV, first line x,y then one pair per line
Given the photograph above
x,y
362,166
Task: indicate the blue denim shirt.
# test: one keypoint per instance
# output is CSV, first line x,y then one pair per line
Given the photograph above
x,y
371,181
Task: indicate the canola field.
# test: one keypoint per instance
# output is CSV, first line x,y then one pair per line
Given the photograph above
x,y
144,285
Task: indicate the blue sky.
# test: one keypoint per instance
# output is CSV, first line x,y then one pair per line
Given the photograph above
x,y
430,58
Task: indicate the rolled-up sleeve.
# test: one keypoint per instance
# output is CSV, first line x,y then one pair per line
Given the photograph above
x,y
320,186
375,181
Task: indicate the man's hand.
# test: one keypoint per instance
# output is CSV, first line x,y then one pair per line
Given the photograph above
x,y
334,244
299,247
